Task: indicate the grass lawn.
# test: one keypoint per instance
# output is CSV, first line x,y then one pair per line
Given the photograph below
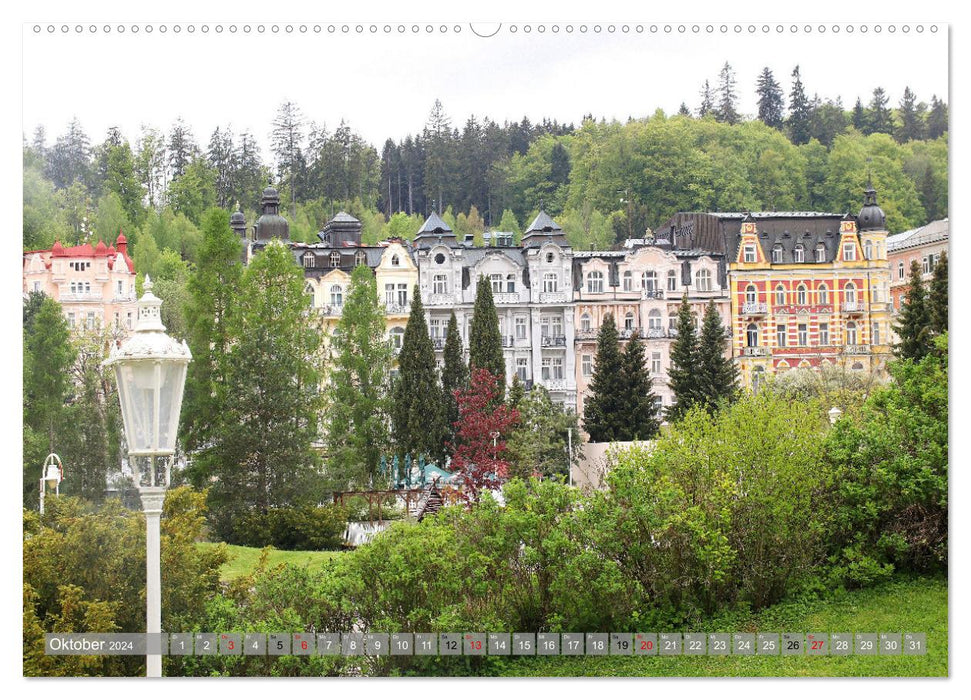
x,y
242,560
912,605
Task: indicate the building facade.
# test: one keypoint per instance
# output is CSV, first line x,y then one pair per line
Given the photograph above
x,y
532,289
923,245
642,287
95,285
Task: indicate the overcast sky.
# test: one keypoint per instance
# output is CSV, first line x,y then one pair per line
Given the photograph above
x,y
384,85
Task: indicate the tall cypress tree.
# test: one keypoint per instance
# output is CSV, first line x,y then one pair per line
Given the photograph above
x,y
640,407
485,341
800,111
913,328
455,377
603,411
683,375
937,299
771,99
417,412
717,374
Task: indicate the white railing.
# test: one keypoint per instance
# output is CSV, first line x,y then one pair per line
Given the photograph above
x,y
505,297
395,309
754,351
852,306
441,300
81,297
755,307
553,298
857,349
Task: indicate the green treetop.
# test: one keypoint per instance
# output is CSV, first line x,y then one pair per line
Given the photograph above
x,y
603,411
455,376
717,375
485,341
914,319
683,373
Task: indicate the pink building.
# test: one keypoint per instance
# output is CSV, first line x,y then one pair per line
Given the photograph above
x,y
924,245
95,285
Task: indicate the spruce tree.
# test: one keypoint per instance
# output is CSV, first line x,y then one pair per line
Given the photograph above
x,y
485,341
603,411
911,118
859,116
937,119
771,99
640,409
727,96
800,111
517,392
913,326
937,299
683,373
717,374
707,101
455,377
417,411
879,117
683,110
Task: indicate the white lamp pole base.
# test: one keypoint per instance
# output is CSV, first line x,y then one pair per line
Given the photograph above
x,y
152,499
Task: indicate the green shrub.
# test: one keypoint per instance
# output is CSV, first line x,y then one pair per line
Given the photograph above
x,y
294,528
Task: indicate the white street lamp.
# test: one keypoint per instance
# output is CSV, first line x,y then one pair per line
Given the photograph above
x,y
51,477
150,369
834,415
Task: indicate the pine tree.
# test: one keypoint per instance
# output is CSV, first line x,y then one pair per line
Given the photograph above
x,y
800,111
771,100
262,455
683,110
911,118
455,374
360,368
417,413
937,119
937,298
707,101
603,411
879,117
859,116
683,373
212,288
640,403
717,374
286,141
914,319
517,392
485,341
727,96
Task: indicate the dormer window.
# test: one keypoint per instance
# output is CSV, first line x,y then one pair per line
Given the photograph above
x,y
360,258
595,282
849,252
308,260
748,254
776,254
395,261
820,253
799,253
703,280
335,259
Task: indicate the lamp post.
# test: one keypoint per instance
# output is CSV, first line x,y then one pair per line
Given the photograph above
x,y
51,477
150,369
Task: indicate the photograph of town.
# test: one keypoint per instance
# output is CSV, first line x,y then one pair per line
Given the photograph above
x,y
514,366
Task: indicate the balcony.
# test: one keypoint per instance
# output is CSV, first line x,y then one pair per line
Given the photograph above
x,y
857,349
396,309
507,341
652,294
91,296
554,298
755,351
588,334
438,343
626,333
852,307
505,297
754,308
554,384
553,341
654,333
331,309
440,300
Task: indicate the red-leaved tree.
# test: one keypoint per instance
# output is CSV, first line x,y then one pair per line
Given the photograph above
x,y
478,454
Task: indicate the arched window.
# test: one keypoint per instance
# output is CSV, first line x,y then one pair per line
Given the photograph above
x,y
595,282
629,320
801,297
336,295
780,296
585,322
672,281
395,261
823,294
649,280
654,319
850,293
758,377
510,284
752,335
777,253
857,367
335,259
397,336
703,280
360,258
308,259
820,252
851,333
628,281
309,291
867,250
900,270
799,253
751,294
